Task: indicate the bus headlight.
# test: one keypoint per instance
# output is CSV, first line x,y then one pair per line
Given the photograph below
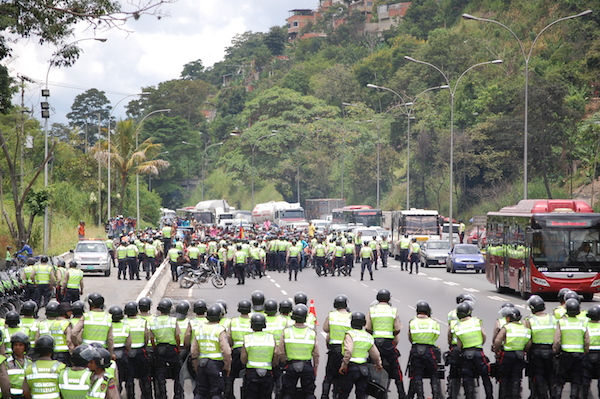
x,y
542,282
595,283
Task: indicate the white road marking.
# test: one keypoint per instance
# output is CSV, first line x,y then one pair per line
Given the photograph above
x,y
324,334
450,283
422,274
435,278
277,285
283,292
364,285
471,290
520,306
496,298
189,294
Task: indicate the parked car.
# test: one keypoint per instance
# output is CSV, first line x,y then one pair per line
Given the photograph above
x,y
434,253
465,257
92,256
367,233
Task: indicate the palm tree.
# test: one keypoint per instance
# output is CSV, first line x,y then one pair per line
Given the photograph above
x,y
127,159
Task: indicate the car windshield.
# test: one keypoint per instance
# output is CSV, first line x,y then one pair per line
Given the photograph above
x,y
466,250
421,224
438,245
90,247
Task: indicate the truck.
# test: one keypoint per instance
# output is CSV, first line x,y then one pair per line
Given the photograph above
x,y
222,211
322,208
280,213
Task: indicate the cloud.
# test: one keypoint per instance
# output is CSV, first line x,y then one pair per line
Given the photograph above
x,y
155,52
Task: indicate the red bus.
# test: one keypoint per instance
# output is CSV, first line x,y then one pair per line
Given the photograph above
x,y
357,214
541,246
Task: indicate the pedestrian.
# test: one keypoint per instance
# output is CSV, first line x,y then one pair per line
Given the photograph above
x,y
404,247
258,355
292,259
132,261
335,326
41,377
366,255
43,278
110,245
298,349
122,260
81,230
319,252
241,258
384,247
59,327
72,283
384,324
461,231
413,255
349,256
173,254
423,333
357,347
150,262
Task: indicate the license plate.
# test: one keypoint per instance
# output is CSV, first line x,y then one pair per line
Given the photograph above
x,y
442,261
470,266
90,267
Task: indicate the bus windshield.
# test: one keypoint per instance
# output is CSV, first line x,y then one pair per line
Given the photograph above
x,y
557,250
421,225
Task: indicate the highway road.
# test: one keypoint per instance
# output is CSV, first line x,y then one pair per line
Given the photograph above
x,y
431,284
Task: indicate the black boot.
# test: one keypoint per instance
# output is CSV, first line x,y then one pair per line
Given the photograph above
x,y
541,390
145,387
400,388
503,390
557,391
575,389
453,388
487,386
418,386
228,389
515,390
326,389
585,390
411,390
130,388
436,388
469,386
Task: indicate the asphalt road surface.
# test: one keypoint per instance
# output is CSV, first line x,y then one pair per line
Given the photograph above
x,y
433,285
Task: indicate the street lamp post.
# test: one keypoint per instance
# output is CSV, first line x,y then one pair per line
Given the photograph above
x,y
409,106
137,175
526,57
109,151
46,116
452,97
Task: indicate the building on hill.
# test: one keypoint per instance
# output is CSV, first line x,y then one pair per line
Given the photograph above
x,y
383,17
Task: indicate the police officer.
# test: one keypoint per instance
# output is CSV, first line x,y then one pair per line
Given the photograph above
x,y
571,341
404,246
258,355
95,325
110,244
560,310
413,254
122,345
199,308
150,262
258,301
470,339
211,355
423,333
43,279
292,259
511,343
173,254
241,258
17,362
374,245
61,330
4,378
319,252
238,329
256,257
75,380
336,325
591,362
338,257
349,256
122,260
132,262
358,244
102,381
194,255
41,377
542,367
138,361
72,283
366,254
384,324
357,346
297,347
384,247
165,338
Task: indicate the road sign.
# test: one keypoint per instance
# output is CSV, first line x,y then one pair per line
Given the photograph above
x,y
479,220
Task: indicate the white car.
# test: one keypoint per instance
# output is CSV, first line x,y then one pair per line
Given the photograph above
x,y
367,233
92,256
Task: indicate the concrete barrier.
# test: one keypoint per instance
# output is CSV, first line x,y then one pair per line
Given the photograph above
x,y
157,285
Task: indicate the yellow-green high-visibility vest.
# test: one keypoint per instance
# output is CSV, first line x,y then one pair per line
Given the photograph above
x,y
209,346
260,347
382,319
363,341
96,325
424,331
299,343
42,378
74,384
339,324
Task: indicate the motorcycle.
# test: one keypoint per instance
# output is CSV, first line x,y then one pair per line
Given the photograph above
x,y
204,273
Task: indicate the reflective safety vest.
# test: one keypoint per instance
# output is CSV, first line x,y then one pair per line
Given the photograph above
x,y
260,347
594,331
121,252
202,248
16,374
148,319
96,325
275,326
32,326
384,244
299,343
373,245
358,240
140,246
132,251
404,243
207,337
349,249
8,333
320,250
222,254
517,336
120,333
74,384
559,312
137,330
339,324
179,245
110,244
183,325
240,327
173,254
150,250
363,341
424,331
42,378
42,273
294,251
255,253
366,252
416,248
470,333
166,231
163,327
240,257
572,334
57,331
382,319
542,329
282,245
99,388
193,252
75,277
197,322
339,251
28,270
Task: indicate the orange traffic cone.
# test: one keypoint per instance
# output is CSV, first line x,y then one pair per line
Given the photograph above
x,y
312,310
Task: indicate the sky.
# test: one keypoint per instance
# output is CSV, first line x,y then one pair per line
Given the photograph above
x,y
152,51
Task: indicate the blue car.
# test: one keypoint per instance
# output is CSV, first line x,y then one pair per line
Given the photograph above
x,y
465,257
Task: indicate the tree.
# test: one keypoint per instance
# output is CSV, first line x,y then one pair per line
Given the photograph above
x,y
276,39
192,70
89,110
127,159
